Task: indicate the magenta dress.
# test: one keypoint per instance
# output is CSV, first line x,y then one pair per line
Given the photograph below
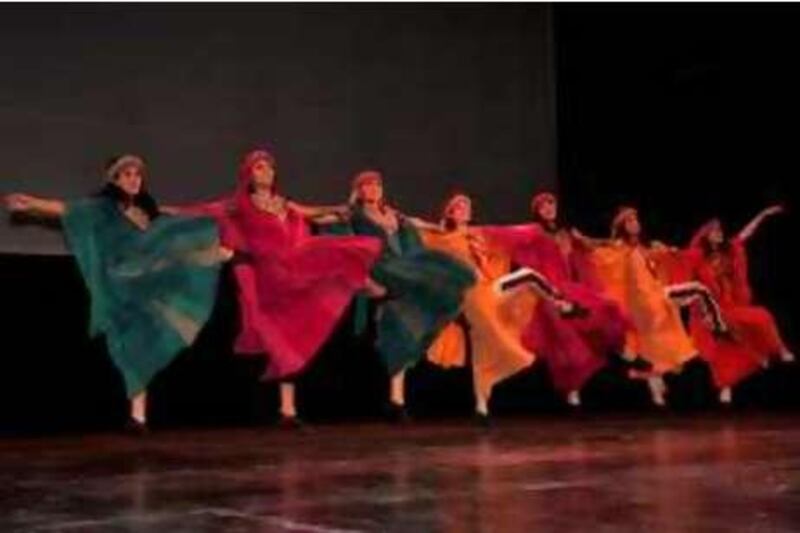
x,y
294,287
573,349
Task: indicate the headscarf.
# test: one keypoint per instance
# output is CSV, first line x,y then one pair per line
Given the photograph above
x,y
247,163
143,200
541,198
619,220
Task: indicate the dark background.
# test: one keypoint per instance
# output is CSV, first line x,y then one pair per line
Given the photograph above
x,y
441,96
684,111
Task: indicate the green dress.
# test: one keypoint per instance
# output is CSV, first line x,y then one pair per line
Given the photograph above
x,y
151,290
426,289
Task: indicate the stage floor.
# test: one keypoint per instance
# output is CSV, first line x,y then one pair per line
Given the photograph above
x,y
611,473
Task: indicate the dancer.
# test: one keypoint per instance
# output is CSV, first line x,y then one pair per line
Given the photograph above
x,y
635,277
574,348
720,263
425,287
152,279
293,287
495,318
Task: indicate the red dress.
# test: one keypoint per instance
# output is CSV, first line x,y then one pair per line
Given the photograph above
x,y
573,349
295,287
755,334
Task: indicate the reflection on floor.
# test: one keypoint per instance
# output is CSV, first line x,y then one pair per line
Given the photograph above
x,y
721,473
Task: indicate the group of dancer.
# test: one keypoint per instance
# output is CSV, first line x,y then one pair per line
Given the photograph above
x,y
496,298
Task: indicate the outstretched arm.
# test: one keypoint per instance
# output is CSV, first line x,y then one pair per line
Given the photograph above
x,y
589,242
753,225
662,247
424,225
216,208
32,205
319,212
330,219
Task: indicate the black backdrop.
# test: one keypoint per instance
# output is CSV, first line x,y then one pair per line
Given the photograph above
x,y
687,112
443,96
682,110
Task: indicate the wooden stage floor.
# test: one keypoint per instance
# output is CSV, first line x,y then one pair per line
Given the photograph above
x,y
611,473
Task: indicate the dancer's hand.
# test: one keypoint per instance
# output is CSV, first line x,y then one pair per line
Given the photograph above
x,y
659,246
588,242
225,253
773,210
19,203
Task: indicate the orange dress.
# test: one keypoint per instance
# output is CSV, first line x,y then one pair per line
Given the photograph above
x,y
495,322
633,278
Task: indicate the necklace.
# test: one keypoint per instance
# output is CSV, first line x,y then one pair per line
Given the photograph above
x,y
385,218
137,216
272,203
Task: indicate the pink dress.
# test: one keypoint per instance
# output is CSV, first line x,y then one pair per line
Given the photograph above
x,y
573,349
294,287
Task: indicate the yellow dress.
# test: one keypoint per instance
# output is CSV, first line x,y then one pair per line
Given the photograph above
x,y
632,277
495,322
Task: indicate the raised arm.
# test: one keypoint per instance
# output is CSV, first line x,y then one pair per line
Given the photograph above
x,y
31,205
753,225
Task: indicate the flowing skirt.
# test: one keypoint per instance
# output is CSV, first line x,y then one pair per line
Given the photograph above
x,y
575,349
426,291
658,334
495,326
151,291
291,300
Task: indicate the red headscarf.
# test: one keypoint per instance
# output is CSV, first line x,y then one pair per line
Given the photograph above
x,y
249,160
702,234
362,178
541,198
738,290
366,176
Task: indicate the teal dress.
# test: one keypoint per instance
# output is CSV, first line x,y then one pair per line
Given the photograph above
x,y
426,289
151,290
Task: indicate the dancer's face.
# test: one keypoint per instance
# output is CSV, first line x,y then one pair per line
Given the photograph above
x,y
263,174
548,210
632,225
716,235
460,211
371,191
129,179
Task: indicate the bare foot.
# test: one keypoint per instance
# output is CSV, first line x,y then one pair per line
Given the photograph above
x,y
574,398
726,396
657,390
